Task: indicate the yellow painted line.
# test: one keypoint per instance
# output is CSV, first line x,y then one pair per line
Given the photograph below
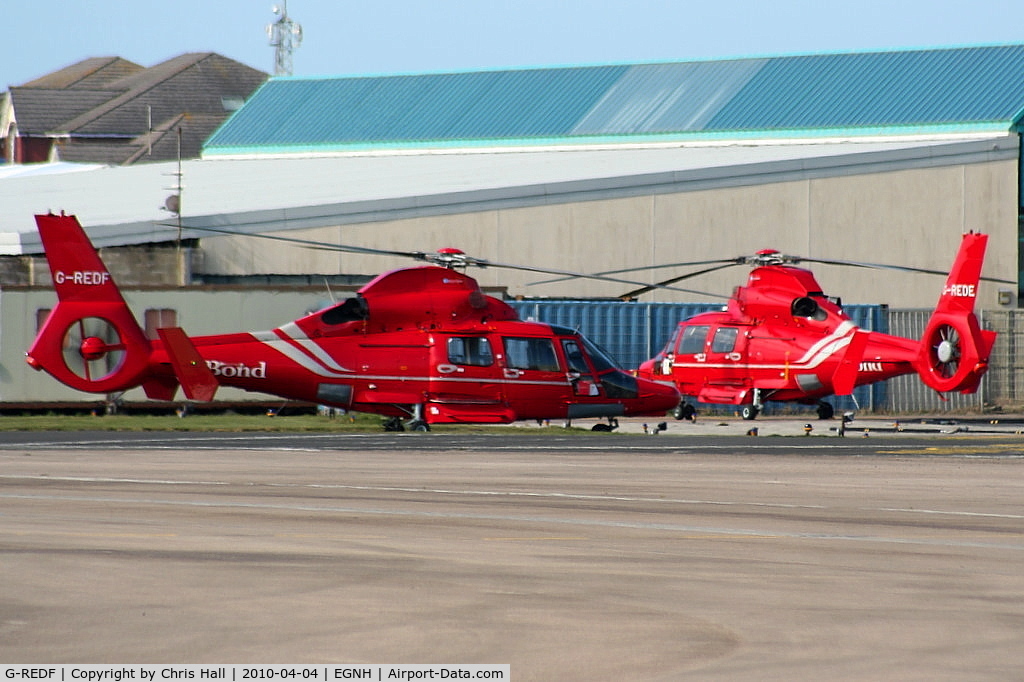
x,y
535,539
315,536
959,449
729,536
24,533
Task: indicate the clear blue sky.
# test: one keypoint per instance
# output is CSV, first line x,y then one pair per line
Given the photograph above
x,y
391,36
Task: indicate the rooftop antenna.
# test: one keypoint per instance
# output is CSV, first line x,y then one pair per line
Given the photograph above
x,y
173,206
285,35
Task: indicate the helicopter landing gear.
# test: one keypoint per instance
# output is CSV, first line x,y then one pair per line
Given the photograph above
x,y
749,411
825,410
684,410
417,423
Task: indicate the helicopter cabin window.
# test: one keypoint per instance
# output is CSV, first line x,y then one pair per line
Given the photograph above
x,y
724,340
530,353
470,350
693,340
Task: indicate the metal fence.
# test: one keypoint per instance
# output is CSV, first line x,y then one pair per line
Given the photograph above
x,y
1001,387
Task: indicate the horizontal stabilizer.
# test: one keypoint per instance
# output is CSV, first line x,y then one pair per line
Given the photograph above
x,y
197,381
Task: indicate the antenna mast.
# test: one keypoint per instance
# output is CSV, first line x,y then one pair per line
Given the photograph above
x,y
285,35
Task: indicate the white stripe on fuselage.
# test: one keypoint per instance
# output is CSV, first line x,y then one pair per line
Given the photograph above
x,y
815,355
306,354
310,356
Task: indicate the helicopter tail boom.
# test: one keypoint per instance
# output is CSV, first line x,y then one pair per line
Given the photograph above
x,y
954,350
90,340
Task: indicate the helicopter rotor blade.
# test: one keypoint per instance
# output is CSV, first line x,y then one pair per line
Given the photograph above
x,y
762,258
454,258
309,243
662,266
446,257
884,266
680,278
566,274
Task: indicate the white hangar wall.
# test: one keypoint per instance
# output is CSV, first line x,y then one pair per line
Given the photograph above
x,y
911,217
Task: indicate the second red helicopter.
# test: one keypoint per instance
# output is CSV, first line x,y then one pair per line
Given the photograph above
x,y
780,338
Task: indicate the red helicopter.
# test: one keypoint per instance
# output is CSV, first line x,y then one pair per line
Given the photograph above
x,y
420,345
781,339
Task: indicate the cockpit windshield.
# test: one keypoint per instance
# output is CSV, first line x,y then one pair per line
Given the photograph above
x,y
599,357
615,382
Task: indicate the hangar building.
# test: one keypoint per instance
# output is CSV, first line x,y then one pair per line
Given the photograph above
x,y
880,157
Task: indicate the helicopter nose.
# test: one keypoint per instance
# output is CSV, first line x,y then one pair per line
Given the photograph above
x,y
655,398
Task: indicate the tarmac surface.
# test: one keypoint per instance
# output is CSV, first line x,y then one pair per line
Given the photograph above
x,y
699,553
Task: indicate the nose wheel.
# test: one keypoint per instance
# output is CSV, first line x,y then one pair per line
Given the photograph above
x,y
684,410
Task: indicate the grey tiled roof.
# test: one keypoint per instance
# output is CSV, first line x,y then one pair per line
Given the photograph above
x,y
100,109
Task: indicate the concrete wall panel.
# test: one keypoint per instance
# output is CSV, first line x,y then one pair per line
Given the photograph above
x,y
908,217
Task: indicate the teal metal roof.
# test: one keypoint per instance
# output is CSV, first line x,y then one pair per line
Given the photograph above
x,y
969,89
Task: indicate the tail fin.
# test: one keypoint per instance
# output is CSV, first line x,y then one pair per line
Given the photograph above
x,y
955,350
90,341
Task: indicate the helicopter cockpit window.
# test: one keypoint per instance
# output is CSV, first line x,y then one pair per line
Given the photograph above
x,y
574,356
805,306
599,356
693,340
531,353
470,350
351,310
724,340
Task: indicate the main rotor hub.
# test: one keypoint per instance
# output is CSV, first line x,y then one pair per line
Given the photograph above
x,y
768,257
450,257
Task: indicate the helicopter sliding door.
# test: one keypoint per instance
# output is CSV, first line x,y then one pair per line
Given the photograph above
x,y
710,363
465,381
726,354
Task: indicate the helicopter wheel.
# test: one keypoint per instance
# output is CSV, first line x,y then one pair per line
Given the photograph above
x,y
684,411
825,410
749,412
419,426
394,424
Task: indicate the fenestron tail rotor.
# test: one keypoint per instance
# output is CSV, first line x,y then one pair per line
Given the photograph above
x,y
945,351
92,348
